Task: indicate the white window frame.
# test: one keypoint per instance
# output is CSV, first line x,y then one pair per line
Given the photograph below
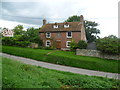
x,y
68,36
55,26
46,43
67,43
47,35
66,26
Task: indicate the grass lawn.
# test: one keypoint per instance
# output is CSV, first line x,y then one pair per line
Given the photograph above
x,y
64,58
19,75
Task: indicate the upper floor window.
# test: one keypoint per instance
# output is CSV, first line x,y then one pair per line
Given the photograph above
x,y
48,35
55,26
66,26
69,34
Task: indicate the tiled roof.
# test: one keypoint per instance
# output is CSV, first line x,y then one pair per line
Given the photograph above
x,y
73,26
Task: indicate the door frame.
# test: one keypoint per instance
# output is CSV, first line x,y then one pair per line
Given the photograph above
x,y
58,42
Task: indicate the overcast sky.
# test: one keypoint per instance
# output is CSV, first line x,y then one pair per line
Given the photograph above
x,y
30,13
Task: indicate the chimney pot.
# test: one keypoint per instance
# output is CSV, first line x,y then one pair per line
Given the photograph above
x,y
81,18
44,21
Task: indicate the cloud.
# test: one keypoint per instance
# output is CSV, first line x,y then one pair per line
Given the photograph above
x,y
12,24
32,12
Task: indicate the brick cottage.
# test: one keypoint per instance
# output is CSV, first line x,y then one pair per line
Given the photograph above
x,y
59,35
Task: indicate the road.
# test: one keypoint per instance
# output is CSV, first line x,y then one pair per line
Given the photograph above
x,y
62,68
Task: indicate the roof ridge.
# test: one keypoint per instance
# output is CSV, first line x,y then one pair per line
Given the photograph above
x,y
61,23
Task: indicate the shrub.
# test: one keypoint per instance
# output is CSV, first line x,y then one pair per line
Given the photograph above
x,y
82,44
22,43
48,48
109,45
15,41
23,38
7,41
73,45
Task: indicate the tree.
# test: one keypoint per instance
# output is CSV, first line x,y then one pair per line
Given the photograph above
x,y
18,30
32,35
91,30
90,27
109,45
23,38
74,18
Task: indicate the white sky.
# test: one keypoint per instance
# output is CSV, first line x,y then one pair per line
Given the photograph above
x,y
11,24
104,12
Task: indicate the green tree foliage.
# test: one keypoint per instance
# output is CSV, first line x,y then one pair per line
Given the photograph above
x,y
32,35
22,38
82,44
15,41
74,18
109,45
91,30
18,30
7,41
73,45
0,33
90,27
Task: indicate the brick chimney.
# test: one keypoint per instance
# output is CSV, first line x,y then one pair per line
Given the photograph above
x,y
83,33
44,21
81,19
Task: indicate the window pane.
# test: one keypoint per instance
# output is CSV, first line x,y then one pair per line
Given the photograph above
x,y
48,43
48,35
68,43
69,34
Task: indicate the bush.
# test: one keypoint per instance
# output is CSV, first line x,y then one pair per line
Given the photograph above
x,y
109,45
15,41
82,44
22,43
48,48
23,38
7,41
73,45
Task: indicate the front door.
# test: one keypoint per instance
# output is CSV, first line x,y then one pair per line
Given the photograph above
x,y
58,44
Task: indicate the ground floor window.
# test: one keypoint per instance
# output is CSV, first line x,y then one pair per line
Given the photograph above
x,y
48,43
68,43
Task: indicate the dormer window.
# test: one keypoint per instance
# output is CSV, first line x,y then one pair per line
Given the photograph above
x,y
55,25
48,34
66,26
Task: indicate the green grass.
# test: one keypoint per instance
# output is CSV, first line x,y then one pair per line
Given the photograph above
x,y
64,58
19,75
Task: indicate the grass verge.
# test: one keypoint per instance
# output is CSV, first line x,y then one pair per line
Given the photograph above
x,y
19,75
65,58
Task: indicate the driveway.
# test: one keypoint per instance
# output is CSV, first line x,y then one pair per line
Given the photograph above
x,y
61,68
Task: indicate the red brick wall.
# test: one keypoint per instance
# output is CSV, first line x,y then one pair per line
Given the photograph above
x,y
76,36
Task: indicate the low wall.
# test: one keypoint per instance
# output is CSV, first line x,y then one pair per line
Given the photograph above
x,y
96,53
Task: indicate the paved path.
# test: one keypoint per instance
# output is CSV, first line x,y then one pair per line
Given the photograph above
x,y
62,68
